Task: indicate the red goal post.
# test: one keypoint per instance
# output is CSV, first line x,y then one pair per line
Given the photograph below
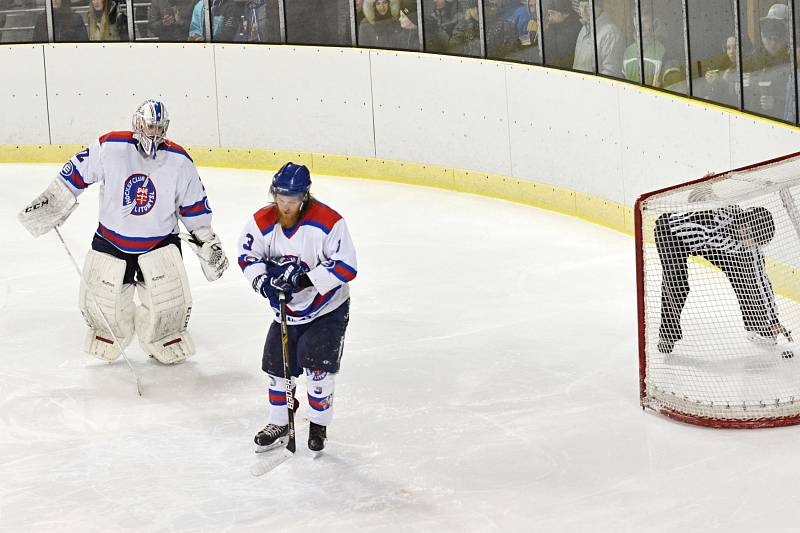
x,y
710,352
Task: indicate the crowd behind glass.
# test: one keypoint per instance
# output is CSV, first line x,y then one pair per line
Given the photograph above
x,y
733,52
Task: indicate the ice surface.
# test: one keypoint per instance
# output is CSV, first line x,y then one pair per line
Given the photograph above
x,y
489,383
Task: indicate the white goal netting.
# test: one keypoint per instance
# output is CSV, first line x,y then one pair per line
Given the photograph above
x,y
719,297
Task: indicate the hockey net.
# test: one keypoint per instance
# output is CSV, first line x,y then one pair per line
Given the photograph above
x,y
727,364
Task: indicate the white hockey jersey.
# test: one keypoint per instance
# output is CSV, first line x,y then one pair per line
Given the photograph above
x,y
322,242
141,199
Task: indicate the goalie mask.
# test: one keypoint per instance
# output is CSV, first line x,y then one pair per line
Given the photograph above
x,y
150,123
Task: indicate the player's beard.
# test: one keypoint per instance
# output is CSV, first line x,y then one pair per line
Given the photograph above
x,y
288,219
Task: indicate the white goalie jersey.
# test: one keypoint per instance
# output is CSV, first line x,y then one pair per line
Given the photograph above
x,y
141,199
320,240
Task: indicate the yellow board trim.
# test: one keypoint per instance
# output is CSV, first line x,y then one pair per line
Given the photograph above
x,y
545,196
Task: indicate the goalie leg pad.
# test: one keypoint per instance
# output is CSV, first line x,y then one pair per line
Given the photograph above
x,y
102,286
162,318
49,209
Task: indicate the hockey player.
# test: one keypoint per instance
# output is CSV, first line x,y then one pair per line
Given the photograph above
x,y
731,239
147,184
301,247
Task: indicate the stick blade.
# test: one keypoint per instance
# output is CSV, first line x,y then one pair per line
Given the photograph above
x,y
269,461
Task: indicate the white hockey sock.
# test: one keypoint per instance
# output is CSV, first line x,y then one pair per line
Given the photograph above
x,y
320,396
278,413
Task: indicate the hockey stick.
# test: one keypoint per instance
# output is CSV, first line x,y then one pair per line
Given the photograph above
x,y
273,460
102,315
287,375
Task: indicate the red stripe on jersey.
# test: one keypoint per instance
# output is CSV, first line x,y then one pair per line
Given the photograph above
x,y
266,217
343,272
126,135
321,214
175,146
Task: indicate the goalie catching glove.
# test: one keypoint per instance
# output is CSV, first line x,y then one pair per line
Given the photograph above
x,y
205,243
49,209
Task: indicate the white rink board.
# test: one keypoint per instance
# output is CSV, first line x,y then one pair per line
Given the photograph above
x,y
565,130
115,78
662,144
597,136
440,110
295,98
23,105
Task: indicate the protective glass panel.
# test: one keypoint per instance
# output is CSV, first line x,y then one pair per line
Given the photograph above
x,y
168,20
451,27
767,74
319,22
584,43
388,24
712,47
613,29
512,30
68,23
18,18
560,32
664,46
247,21
106,20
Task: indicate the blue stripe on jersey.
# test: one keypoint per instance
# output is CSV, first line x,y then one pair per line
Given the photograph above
x,y
248,260
342,271
325,229
318,303
196,209
120,140
267,231
75,179
174,150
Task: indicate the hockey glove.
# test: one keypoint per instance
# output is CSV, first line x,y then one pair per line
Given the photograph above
x,y
293,278
205,243
263,285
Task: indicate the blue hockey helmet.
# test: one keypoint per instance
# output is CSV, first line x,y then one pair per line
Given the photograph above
x,y
291,180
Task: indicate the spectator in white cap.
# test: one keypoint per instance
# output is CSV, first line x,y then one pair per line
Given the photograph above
x,y
767,73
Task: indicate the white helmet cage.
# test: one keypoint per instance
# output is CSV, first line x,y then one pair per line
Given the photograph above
x,y
150,123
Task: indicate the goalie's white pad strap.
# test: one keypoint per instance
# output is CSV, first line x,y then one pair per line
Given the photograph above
x,y
101,286
166,305
49,209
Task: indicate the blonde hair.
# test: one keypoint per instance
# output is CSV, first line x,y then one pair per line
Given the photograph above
x,y
101,31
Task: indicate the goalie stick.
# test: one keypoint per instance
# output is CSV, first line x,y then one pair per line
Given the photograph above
x,y
271,461
102,315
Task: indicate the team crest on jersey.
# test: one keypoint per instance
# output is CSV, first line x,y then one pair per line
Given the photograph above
x,y
140,193
67,169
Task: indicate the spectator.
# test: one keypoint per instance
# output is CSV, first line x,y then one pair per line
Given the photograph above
x,y
723,87
524,20
169,19
379,27
67,25
98,25
196,30
769,67
609,41
561,27
439,25
654,52
465,39
408,34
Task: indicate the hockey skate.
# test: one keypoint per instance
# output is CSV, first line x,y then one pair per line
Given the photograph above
x,y
271,437
317,435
